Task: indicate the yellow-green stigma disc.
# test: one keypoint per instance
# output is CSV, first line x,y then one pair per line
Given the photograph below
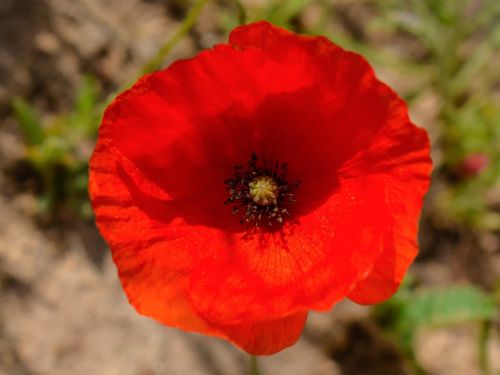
x,y
264,190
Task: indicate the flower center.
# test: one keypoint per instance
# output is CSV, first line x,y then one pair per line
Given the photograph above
x,y
261,193
264,190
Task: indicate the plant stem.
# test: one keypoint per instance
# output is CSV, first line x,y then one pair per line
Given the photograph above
x,y
484,335
157,60
254,366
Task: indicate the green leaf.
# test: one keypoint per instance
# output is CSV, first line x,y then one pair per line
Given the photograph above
x,y
448,306
29,121
409,310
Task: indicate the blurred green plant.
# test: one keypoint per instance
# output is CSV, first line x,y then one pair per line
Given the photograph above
x,y
58,148
413,309
460,40
278,12
281,13
158,59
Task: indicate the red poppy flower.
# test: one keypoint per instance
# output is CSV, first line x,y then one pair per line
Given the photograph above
x,y
259,180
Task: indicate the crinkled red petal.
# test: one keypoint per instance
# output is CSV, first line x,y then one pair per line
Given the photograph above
x,y
154,274
267,337
399,155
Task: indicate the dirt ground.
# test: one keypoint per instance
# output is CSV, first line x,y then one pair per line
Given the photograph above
x,y
62,310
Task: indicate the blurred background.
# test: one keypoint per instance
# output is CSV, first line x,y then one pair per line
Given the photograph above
x,y
62,310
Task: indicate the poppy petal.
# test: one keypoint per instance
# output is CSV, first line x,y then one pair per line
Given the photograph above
x,y
155,288
267,337
400,155
407,185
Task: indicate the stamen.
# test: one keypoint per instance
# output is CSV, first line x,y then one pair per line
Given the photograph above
x,y
261,193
